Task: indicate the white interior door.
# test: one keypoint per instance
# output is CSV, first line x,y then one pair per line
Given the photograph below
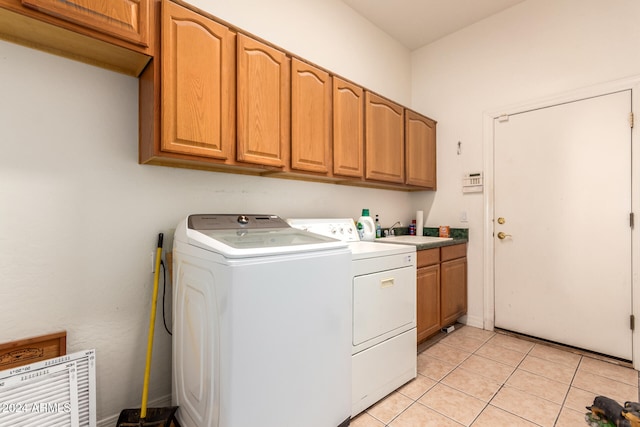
x,y
562,177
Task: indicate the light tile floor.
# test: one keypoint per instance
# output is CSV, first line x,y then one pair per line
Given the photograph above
x,y
478,378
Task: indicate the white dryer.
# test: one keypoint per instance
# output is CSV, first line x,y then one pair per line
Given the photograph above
x,y
383,287
262,324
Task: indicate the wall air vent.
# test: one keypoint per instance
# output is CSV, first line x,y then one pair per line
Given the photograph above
x,y
53,392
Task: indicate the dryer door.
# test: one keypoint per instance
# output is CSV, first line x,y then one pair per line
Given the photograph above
x,y
384,304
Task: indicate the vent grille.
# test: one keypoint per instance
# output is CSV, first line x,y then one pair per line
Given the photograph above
x,y
54,392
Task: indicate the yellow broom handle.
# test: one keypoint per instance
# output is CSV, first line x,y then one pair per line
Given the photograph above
x,y
152,322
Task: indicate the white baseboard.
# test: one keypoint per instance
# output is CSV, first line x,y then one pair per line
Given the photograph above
x,y
475,321
162,402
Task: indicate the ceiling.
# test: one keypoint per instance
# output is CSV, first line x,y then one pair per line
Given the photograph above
x,y
415,23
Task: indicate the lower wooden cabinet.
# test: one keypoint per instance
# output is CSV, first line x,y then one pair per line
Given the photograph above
x,y
441,288
453,290
428,297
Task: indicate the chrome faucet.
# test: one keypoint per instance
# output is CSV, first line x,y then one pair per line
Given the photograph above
x,y
390,232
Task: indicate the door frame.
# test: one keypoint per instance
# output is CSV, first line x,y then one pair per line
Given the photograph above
x,y
632,84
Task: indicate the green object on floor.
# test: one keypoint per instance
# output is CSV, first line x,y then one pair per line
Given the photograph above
x,y
595,421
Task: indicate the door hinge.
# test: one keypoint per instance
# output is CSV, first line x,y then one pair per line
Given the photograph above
x,y
631,220
631,119
632,322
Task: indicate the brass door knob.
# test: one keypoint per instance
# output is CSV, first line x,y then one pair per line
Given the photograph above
x,y
503,236
501,220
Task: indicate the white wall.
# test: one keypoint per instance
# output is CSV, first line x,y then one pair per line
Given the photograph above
x,y
79,217
531,51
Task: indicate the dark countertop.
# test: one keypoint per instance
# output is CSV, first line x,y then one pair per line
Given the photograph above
x,y
460,235
430,245
455,241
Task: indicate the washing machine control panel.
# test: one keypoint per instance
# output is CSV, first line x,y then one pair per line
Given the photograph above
x,y
339,228
234,221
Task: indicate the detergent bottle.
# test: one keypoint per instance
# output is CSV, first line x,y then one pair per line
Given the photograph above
x,y
366,227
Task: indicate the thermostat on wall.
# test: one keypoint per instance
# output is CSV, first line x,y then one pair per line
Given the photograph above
x,y
472,183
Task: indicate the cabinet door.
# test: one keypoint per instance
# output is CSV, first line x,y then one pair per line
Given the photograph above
x,y
263,103
310,118
420,144
384,139
428,301
124,19
453,290
348,129
198,82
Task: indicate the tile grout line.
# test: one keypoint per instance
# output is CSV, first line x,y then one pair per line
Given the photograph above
x,y
449,373
437,382
457,365
505,383
486,404
573,377
519,367
464,348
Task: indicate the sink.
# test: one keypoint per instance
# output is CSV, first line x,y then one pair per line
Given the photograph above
x,y
415,240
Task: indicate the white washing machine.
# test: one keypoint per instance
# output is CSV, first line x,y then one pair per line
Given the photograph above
x,y
383,287
261,324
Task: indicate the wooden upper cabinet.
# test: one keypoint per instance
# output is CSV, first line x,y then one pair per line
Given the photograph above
x,y
348,129
310,118
263,103
124,19
111,34
384,139
198,85
420,145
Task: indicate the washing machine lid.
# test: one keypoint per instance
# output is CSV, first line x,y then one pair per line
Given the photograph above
x,y
253,235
